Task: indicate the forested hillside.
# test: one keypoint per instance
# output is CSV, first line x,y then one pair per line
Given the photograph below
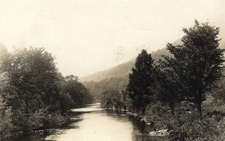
x,y
116,78
121,70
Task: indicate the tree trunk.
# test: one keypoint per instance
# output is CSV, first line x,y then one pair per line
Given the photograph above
x,y
200,110
26,128
172,108
199,102
143,111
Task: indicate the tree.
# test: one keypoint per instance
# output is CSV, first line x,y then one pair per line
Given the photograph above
x,y
33,75
113,99
169,89
31,91
77,91
198,61
141,81
5,110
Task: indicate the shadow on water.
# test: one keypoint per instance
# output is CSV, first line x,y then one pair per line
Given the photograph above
x,y
122,116
41,134
35,136
140,129
133,129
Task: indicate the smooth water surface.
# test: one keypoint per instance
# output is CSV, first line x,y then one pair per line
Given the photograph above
x,y
93,123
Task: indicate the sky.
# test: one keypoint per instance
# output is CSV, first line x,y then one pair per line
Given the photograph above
x,y
87,36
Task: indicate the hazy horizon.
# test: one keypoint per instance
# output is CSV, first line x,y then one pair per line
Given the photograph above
x,y
87,36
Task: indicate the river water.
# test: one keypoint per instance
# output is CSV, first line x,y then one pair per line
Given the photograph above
x,y
93,123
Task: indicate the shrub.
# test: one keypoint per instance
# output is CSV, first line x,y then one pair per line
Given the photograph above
x,y
5,123
188,127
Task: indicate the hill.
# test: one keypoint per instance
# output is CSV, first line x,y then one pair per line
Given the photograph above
x,y
116,78
121,70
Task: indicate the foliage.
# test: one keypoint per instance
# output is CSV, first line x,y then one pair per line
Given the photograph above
x,y
34,95
73,89
187,127
141,81
115,78
32,92
6,125
97,88
169,88
198,62
33,76
114,99
219,93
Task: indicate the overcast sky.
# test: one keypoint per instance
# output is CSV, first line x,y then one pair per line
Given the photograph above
x,y
86,36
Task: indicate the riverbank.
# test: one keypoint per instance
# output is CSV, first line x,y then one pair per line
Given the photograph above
x,y
94,123
185,124
53,124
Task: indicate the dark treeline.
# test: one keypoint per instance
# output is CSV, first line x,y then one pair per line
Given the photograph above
x,y
33,94
111,84
180,82
76,90
113,98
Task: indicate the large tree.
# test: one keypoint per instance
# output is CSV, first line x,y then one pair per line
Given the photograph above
x,y
33,76
5,110
168,86
141,81
198,61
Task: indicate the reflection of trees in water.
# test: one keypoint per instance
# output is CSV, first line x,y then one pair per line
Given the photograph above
x,y
141,130
148,138
37,135
119,116
138,125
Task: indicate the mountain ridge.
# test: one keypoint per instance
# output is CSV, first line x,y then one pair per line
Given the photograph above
x,y
122,70
116,78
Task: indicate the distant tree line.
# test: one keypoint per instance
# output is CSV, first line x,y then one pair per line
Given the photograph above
x,y
33,94
106,85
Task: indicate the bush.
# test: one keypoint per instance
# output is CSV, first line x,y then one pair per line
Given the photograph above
x,y
54,120
6,125
186,125
189,127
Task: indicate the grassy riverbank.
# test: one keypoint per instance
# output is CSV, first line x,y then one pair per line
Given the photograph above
x,y
185,124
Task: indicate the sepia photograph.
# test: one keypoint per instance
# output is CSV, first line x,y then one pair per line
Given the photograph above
x,y
112,70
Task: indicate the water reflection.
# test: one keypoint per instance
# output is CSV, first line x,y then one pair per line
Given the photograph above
x,y
96,124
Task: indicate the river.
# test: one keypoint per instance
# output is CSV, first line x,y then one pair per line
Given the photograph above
x,y
93,123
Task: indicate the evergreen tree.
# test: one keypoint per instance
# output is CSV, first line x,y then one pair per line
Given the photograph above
x,y
141,81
